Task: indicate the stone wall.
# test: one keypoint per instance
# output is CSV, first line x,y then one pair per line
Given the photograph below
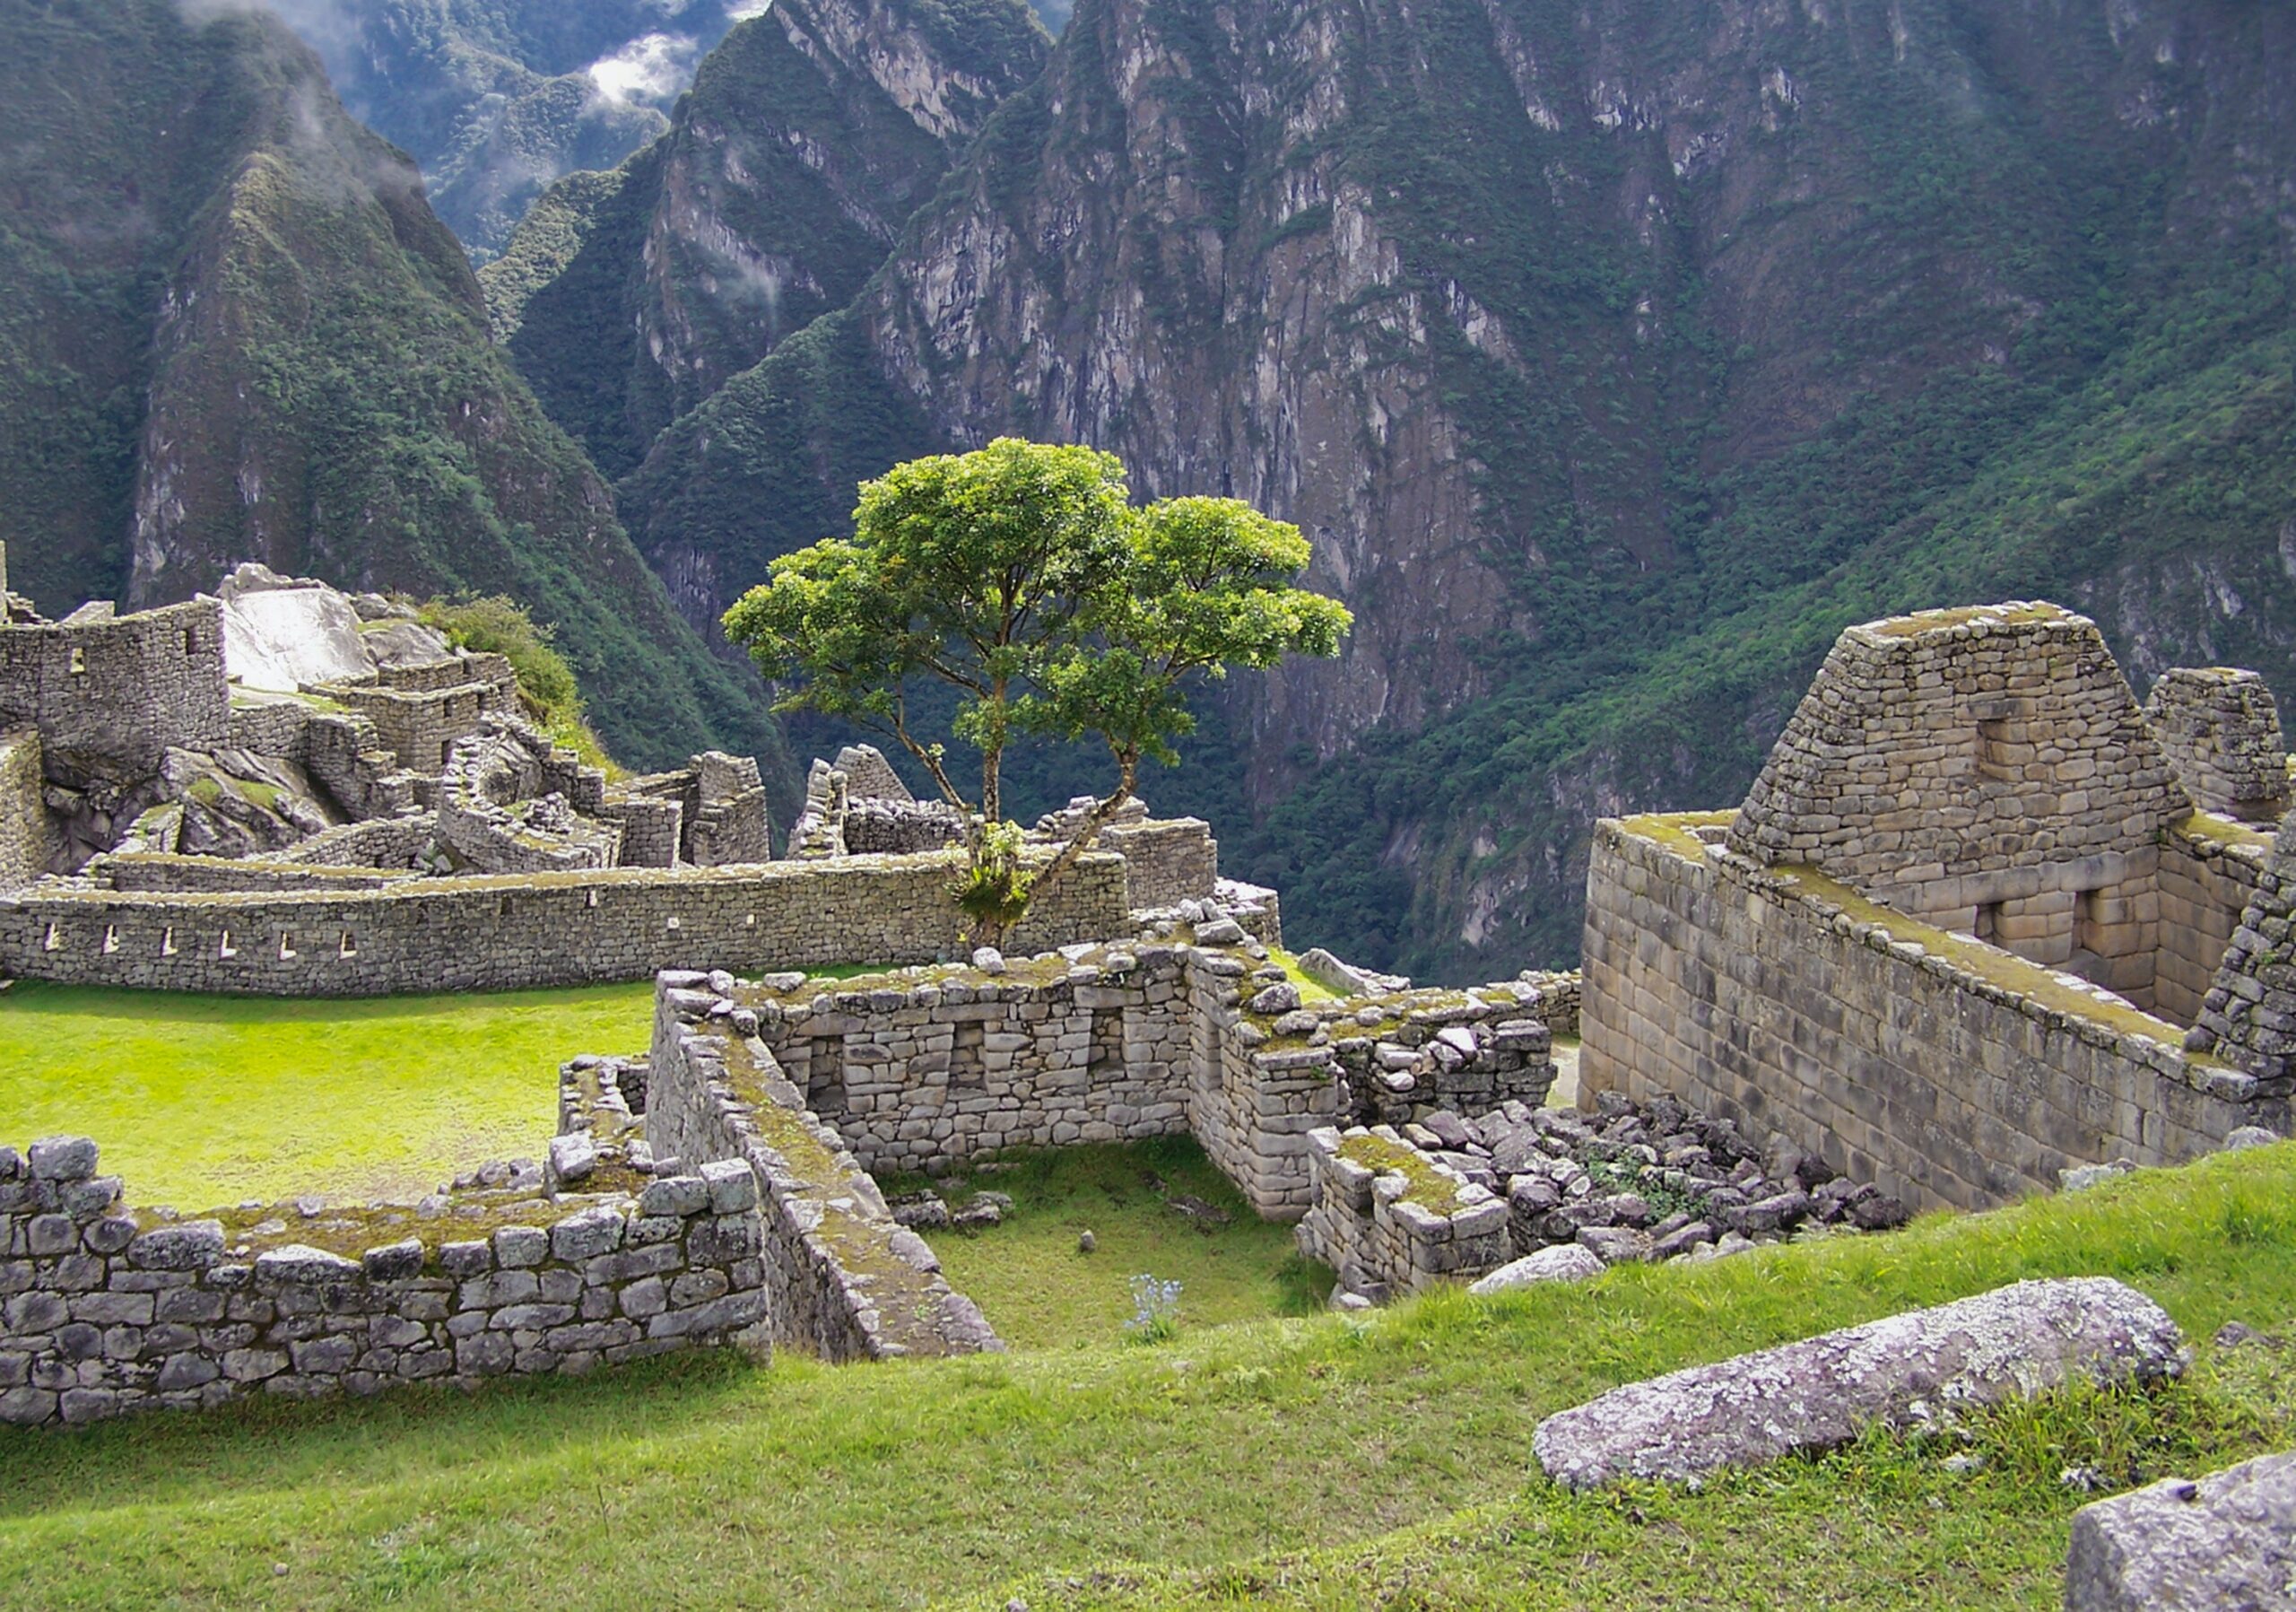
x,y
930,1072
924,1069
107,1312
420,725
26,839
1390,1220
111,695
2209,870
1171,859
167,873
2221,730
509,932
1948,1072
849,1283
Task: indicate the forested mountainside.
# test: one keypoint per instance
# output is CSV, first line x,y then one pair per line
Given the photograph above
x,y
232,329
809,138
495,99
1615,355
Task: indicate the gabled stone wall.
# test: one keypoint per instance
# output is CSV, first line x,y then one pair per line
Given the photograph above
x,y
1988,771
2220,728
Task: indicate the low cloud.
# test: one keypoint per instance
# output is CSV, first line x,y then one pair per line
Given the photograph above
x,y
652,68
741,11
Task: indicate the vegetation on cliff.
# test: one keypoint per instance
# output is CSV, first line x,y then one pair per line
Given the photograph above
x,y
1618,358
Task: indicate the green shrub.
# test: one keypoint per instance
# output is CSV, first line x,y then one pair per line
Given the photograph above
x,y
497,624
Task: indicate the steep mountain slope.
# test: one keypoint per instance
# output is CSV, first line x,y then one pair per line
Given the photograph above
x,y
810,137
232,329
1615,355
495,99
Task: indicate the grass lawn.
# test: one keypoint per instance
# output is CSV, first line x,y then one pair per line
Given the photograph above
x,y
1384,1460
203,1102
1039,1292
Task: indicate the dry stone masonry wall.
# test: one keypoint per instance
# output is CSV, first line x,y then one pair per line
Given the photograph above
x,y
2221,730
104,1311
512,931
850,1283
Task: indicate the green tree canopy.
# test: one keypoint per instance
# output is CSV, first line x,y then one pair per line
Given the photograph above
x,y
1023,576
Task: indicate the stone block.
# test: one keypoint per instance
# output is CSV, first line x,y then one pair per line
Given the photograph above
x,y
1819,1393
2224,1544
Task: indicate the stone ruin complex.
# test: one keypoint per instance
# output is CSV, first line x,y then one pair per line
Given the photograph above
x,y
285,791
1980,921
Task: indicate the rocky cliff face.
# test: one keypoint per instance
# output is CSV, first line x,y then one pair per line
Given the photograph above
x,y
238,333
1615,355
810,137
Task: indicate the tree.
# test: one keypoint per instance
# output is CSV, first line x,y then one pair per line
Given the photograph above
x,y
1022,575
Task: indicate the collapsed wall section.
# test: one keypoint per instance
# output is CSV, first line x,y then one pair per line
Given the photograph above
x,y
1948,1072
109,1311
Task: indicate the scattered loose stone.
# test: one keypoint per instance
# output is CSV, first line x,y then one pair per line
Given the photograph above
x,y
1086,1242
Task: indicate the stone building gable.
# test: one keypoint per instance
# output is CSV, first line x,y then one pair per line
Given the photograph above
x,y
1959,743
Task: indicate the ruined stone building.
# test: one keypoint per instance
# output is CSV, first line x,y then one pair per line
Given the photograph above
x,y
1980,917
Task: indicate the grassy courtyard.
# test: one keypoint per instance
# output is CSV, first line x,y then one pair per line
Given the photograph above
x,y
200,1101
1326,1461
1158,1208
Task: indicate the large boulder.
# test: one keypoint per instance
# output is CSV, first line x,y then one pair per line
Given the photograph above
x,y
1907,1370
281,634
2224,1544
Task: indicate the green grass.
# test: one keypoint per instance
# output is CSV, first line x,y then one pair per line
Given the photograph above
x,y
1389,1456
1040,1292
201,1101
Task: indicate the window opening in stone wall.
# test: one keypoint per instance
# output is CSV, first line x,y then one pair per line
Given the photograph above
x,y
1107,1042
967,1067
79,663
168,941
224,948
672,923
55,941
825,1077
349,946
191,640
286,945
589,898
1994,736
111,939
1987,928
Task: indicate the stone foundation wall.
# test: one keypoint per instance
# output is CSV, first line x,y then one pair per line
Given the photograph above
x,y
1946,1072
26,839
925,1068
849,1283
389,844
106,1311
1389,1233
509,932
